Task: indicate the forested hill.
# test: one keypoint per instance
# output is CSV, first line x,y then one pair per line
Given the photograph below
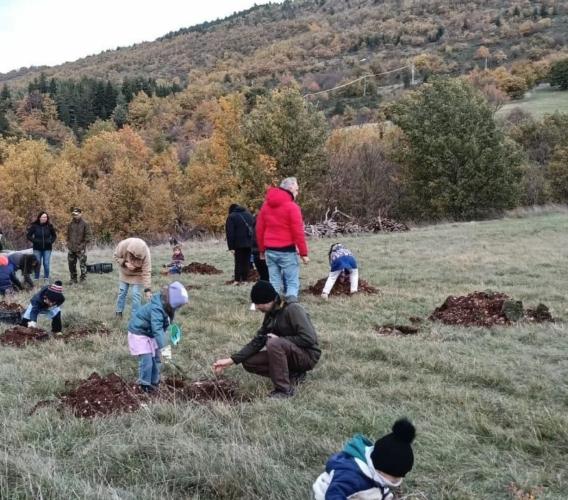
x,y
323,42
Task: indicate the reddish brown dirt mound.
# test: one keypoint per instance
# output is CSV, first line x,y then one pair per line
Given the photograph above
x,y
341,287
10,306
391,329
476,309
99,396
198,268
20,336
541,314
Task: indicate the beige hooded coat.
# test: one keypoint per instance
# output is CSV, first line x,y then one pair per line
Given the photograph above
x,y
136,252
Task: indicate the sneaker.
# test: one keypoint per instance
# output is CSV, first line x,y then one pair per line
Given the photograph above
x,y
147,388
297,378
252,307
324,296
278,394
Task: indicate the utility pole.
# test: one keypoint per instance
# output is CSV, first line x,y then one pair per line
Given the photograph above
x,y
412,81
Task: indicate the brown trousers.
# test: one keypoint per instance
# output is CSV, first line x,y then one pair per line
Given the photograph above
x,y
279,359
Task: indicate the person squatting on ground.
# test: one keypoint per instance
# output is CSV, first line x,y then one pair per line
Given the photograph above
x,y
47,302
7,276
26,263
176,262
147,332
280,236
366,471
42,235
78,237
341,260
238,229
134,270
284,348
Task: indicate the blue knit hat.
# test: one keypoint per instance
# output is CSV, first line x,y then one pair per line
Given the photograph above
x,y
177,295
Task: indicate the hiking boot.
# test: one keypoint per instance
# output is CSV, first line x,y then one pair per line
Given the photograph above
x,y
297,378
278,394
82,279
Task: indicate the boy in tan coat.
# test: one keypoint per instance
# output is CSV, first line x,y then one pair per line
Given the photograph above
x,y
134,269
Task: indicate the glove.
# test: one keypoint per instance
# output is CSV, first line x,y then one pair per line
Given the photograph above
x,y
32,324
166,352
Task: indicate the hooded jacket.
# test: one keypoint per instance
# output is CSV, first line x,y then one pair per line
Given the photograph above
x,y
152,319
38,304
7,275
351,475
280,225
135,251
239,228
42,236
340,258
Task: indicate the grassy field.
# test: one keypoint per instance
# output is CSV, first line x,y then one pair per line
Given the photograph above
x,y
538,102
490,406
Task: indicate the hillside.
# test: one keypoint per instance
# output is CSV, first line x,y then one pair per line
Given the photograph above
x,y
323,42
489,404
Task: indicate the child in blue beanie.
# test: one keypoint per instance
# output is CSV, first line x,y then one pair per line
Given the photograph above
x,y
147,332
341,261
364,470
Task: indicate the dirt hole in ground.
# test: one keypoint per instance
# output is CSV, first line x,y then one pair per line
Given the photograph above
x,y
200,268
10,306
342,287
21,336
392,329
101,396
486,309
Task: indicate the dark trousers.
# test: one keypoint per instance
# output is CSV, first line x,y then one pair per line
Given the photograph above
x,y
242,263
279,359
261,266
72,258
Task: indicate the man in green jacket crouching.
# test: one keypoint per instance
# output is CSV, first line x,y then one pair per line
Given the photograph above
x,y
284,348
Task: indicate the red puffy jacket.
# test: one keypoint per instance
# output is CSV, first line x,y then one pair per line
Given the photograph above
x,y
279,223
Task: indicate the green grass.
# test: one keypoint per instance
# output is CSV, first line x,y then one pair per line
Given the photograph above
x,y
490,406
538,102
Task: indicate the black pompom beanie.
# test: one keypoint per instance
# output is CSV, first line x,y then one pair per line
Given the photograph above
x,y
392,453
262,292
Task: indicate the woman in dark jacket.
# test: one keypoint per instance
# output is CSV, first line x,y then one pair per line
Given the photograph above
x,y
42,235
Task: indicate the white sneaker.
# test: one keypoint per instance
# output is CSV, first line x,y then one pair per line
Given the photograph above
x,y
324,296
252,307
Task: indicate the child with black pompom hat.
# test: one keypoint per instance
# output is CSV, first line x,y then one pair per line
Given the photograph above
x,y
363,470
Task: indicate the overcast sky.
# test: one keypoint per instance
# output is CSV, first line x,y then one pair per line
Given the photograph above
x,y
38,32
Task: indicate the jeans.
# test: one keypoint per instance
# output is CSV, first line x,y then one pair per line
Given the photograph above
x,y
123,292
45,256
284,272
149,369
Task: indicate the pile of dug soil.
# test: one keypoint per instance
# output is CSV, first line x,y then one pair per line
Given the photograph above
x,y
10,307
20,336
392,329
198,268
99,396
341,287
476,309
541,314
487,309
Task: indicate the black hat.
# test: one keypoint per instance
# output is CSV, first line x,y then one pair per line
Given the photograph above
x,y
55,292
262,292
392,453
76,210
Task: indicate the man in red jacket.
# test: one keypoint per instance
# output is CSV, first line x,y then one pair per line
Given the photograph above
x,y
280,237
